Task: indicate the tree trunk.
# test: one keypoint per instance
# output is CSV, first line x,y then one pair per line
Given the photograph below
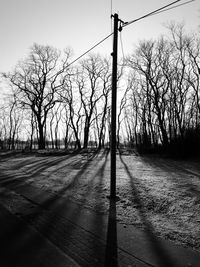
x,y
41,140
86,137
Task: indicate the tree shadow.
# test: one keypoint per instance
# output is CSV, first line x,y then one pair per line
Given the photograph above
x,y
162,256
110,253
178,175
40,165
23,246
49,216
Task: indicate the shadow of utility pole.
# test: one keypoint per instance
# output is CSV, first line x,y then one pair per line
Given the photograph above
x,y
111,256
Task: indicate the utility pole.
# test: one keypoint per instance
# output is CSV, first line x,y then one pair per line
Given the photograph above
x,y
113,112
114,94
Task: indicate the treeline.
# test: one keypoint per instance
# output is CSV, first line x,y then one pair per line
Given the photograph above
x,y
54,104
164,102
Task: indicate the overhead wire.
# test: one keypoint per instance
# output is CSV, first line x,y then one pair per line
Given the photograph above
x,y
155,12
150,14
170,8
82,55
124,24
89,50
94,46
97,44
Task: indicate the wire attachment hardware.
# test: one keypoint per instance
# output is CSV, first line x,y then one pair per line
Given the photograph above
x,y
120,27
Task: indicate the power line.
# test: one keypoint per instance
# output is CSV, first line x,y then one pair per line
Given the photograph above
x,y
89,50
155,12
150,14
82,55
124,24
167,9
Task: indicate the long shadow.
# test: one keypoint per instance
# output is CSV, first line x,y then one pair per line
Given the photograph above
x,y
111,250
111,256
169,165
35,169
39,162
55,197
10,182
109,253
174,175
49,223
162,256
57,205
75,179
22,246
95,249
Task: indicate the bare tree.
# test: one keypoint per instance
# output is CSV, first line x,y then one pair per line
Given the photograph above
x,y
66,131
166,96
37,80
90,91
70,96
147,62
122,106
193,77
104,103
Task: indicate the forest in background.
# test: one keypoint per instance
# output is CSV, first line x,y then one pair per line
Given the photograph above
x,y
54,104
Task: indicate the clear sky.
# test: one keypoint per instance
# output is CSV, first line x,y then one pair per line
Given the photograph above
x,y
80,24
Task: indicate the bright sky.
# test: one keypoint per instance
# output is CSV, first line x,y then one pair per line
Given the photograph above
x,y
80,24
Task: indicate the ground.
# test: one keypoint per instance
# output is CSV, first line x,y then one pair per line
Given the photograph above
x,y
157,194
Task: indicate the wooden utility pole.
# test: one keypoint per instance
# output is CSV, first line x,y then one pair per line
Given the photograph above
x,y
113,111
